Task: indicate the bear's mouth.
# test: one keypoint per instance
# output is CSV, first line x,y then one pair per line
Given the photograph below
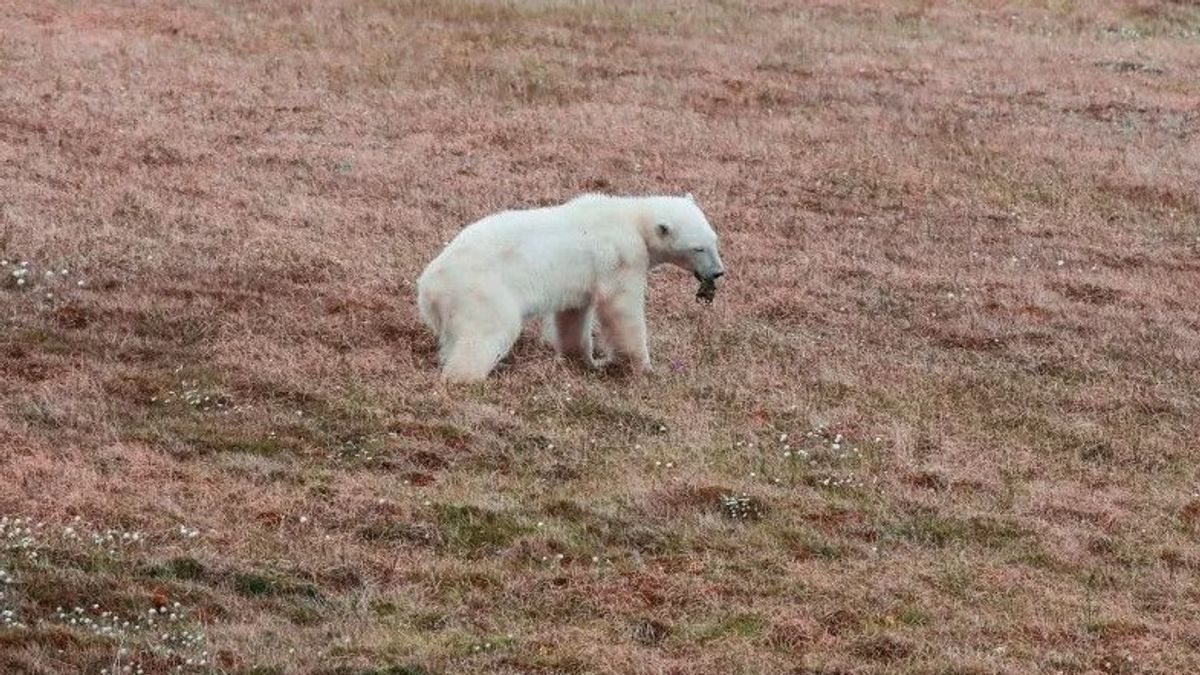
x,y
707,290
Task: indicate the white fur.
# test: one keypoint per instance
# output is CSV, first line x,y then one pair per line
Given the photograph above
x,y
570,264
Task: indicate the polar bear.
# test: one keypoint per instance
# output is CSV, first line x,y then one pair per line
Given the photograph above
x,y
568,264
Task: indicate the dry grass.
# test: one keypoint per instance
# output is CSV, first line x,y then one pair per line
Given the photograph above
x,y
963,237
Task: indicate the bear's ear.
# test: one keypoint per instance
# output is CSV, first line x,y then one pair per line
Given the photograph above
x,y
689,197
662,229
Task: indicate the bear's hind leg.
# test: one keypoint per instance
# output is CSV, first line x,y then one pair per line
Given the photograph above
x,y
476,349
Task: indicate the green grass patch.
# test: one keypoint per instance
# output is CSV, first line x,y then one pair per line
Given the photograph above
x,y
183,568
591,413
589,530
806,544
389,530
387,669
941,531
740,625
475,530
259,584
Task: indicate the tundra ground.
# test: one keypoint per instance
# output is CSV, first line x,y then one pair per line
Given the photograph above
x,y
942,416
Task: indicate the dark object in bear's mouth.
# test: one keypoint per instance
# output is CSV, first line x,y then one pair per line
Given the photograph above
x,y
707,291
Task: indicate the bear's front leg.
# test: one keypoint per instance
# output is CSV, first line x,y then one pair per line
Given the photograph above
x,y
623,320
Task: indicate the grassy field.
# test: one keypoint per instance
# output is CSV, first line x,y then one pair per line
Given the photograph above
x,y
942,417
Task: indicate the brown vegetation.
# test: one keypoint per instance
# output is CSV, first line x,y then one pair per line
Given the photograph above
x,y
942,416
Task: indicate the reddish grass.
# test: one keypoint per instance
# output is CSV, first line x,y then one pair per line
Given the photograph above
x,y
964,237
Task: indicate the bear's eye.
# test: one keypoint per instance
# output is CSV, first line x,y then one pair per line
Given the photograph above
x,y
698,249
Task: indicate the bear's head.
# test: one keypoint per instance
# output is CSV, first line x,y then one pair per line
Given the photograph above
x,y
680,235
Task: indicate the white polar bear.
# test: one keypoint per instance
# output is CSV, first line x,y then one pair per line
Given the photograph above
x,y
566,264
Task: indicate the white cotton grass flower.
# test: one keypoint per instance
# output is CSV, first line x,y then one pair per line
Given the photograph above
x,y
180,640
